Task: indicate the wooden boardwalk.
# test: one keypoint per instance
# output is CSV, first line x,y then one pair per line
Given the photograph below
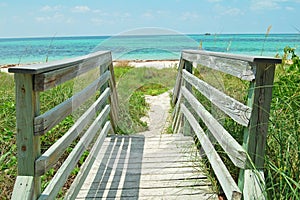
x,y
155,167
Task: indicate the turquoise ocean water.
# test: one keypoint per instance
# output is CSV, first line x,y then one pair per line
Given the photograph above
x,y
151,47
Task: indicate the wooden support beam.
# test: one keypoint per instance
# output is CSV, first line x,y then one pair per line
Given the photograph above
x,y
27,107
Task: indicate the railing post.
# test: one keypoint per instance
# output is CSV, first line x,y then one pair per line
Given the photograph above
x,y
251,180
187,129
27,107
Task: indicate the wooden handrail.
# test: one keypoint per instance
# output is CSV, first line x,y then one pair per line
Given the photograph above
x,y
249,156
30,81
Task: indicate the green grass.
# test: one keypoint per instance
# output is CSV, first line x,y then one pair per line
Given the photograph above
x,y
8,146
132,86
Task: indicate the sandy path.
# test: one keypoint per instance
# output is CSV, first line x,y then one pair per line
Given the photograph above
x,y
158,115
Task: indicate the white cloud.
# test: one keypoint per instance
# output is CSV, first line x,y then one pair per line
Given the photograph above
x,y
55,18
265,4
231,11
48,8
80,9
289,8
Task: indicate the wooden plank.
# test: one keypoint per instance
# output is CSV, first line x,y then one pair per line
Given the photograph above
x,y
149,192
250,99
188,67
178,125
237,68
51,156
178,83
64,171
86,167
49,119
255,188
28,144
113,100
121,167
258,127
154,184
228,184
253,59
232,148
46,67
23,188
175,113
48,80
233,108
240,66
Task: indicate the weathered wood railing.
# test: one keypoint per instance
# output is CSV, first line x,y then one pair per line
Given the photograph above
x,y
248,157
33,79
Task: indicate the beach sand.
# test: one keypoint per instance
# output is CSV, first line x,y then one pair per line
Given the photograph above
x,y
159,64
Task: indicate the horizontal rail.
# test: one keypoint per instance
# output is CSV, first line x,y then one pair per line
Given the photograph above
x,y
51,118
65,170
252,59
233,108
51,156
232,148
56,65
228,184
48,80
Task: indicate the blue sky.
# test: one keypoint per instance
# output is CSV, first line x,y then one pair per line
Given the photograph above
x,y
98,17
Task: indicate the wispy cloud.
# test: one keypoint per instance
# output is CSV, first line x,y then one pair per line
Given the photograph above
x,y
48,8
289,8
227,10
265,5
55,18
80,9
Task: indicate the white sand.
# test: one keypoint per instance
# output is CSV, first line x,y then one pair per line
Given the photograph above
x,y
159,64
158,115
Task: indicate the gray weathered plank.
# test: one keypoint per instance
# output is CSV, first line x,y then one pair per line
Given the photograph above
x,y
86,167
49,119
64,171
48,80
258,127
252,59
178,83
46,67
240,66
232,148
237,68
23,188
121,170
228,184
233,108
255,188
50,157
27,107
